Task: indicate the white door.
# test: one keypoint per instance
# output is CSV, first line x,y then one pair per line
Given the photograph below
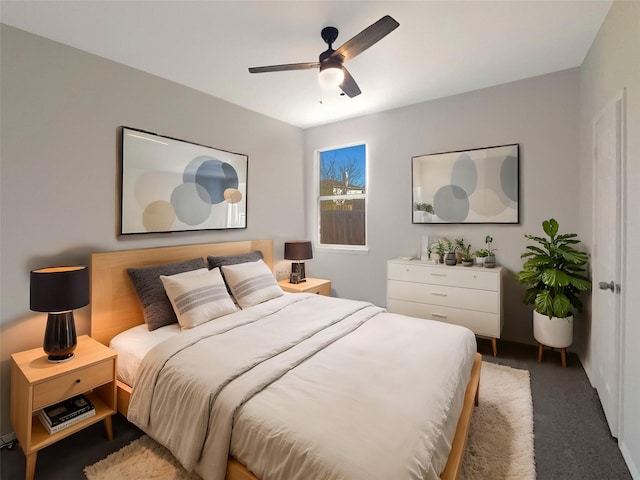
x,y
606,340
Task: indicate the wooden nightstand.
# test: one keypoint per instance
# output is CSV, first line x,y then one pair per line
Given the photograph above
x,y
312,285
36,383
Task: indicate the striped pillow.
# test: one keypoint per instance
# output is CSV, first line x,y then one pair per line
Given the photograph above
x,y
198,296
251,283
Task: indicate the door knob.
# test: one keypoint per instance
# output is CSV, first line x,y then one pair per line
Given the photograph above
x,y
607,286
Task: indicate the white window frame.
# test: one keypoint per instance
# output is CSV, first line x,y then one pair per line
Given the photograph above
x,y
341,247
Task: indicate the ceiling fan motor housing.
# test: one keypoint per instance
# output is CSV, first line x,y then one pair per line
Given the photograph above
x,y
329,35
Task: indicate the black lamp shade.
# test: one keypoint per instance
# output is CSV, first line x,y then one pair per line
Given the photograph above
x,y
298,250
59,291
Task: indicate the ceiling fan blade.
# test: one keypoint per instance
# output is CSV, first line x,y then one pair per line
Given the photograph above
x,y
349,85
366,38
282,68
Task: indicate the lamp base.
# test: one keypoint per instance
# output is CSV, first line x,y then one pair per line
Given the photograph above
x,y
60,338
298,268
60,358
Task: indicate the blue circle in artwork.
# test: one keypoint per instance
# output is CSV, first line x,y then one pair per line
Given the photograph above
x,y
509,177
191,170
187,200
451,203
213,175
464,173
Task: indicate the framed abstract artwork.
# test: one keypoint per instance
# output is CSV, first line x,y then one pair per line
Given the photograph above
x,y
170,185
467,186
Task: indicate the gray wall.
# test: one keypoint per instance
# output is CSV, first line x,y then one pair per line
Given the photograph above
x,y
61,109
541,114
613,63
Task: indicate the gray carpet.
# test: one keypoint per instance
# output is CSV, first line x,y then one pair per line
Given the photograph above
x,y
572,440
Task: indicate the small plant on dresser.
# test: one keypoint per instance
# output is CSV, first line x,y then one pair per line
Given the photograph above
x,y
467,256
490,259
450,256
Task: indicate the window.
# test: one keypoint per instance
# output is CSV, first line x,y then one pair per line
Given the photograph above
x,y
342,174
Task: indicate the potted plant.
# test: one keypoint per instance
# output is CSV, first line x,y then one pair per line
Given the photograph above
x,y
467,257
490,259
554,272
459,245
450,256
480,256
437,251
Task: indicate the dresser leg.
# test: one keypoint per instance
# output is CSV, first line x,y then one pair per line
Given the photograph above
x,y
494,346
540,349
31,465
108,426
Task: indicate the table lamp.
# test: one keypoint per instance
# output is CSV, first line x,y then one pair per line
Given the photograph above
x,y
59,291
297,250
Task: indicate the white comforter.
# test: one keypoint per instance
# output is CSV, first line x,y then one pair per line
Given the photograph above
x,y
308,387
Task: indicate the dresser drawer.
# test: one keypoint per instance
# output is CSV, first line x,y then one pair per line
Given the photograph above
x,y
481,323
73,383
464,277
465,298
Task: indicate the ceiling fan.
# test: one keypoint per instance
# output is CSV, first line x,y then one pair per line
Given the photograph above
x,y
330,63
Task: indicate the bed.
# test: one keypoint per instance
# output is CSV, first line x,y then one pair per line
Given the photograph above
x,y
116,308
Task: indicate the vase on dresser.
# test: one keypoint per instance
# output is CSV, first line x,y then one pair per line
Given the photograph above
x,y
490,261
450,258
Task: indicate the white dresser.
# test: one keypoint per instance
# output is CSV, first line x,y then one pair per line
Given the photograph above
x,y
467,296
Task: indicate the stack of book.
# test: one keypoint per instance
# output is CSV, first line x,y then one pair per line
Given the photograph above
x,y
64,414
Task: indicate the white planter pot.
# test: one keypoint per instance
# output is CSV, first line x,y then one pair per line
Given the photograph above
x,y
480,261
553,332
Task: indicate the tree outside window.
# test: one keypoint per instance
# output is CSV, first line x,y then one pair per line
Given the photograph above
x,y
343,196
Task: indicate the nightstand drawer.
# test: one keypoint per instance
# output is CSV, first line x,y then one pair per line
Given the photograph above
x,y
324,289
317,286
73,383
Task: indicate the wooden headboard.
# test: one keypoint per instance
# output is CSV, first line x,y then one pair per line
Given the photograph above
x,y
114,304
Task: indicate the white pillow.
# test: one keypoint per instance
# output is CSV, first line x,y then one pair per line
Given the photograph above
x,y
251,283
198,296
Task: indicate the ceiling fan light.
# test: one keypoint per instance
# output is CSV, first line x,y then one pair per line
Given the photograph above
x,y
331,75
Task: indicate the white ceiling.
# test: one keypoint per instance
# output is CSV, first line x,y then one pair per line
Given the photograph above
x,y
441,47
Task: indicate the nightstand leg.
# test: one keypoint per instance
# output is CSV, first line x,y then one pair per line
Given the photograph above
x,y
108,426
494,346
31,465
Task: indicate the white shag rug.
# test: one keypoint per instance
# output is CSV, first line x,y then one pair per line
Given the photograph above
x,y
499,447
500,443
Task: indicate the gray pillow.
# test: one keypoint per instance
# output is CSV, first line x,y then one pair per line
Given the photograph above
x,y
156,307
234,259
222,260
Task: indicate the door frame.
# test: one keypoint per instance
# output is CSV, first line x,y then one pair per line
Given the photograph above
x,y
622,245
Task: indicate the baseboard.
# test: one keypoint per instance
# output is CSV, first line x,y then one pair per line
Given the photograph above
x,y
633,468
